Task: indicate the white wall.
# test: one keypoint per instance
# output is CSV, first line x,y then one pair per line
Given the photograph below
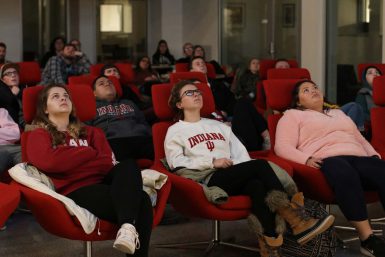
x,y
184,21
87,27
313,40
11,29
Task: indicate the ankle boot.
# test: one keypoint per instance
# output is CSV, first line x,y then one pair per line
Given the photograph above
x,y
270,246
304,227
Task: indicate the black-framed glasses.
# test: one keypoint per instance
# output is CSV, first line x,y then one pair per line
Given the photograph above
x,y
10,73
191,92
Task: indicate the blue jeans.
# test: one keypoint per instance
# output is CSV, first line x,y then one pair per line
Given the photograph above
x,y
355,112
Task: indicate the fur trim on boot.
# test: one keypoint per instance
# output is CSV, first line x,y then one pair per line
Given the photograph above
x,y
303,226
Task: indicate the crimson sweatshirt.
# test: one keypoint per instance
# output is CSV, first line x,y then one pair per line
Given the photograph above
x,y
78,163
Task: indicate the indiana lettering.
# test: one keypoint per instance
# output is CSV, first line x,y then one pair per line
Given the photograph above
x,y
194,140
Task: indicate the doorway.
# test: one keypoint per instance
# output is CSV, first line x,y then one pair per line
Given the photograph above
x,y
266,29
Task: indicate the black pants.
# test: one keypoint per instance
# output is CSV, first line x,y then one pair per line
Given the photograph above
x,y
350,176
120,199
132,148
253,178
248,124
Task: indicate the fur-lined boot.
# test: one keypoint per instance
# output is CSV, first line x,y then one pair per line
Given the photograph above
x,y
293,212
268,246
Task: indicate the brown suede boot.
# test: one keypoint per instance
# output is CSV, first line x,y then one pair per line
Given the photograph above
x,y
304,227
270,246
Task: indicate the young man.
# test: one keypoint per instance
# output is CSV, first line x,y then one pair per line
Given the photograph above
x,y
60,67
11,92
123,123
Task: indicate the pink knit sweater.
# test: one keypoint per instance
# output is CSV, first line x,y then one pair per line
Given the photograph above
x,y
302,134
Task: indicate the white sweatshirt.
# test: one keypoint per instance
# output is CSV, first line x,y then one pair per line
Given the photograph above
x,y
195,145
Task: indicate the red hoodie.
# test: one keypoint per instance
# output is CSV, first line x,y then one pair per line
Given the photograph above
x,y
78,163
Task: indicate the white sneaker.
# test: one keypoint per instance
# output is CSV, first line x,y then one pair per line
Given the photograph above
x,y
127,239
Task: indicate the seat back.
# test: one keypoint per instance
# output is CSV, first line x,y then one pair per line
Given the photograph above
x,y
126,72
187,75
181,67
377,115
278,93
96,68
291,73
161,94
211,71
266,64
82,79
362,66
29,73
82,97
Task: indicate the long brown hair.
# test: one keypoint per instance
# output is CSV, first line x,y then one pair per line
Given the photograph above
x,y
75,128
175,98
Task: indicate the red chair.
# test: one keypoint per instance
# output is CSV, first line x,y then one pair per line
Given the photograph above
x,y
29,73
377,115
362,66
291,73
266,64
187,196
43,206
96,68
9,200
183,67
187,75
82,79
126,72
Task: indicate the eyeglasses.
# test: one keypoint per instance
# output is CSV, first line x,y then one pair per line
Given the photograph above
x,y
191,92
10,73
188,48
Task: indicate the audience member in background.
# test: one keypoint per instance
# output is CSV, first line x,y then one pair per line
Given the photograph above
x,y
112,70
10,152
245,80
281,64
81,165
78,53
200,51
218,159
365,94
62,66
3,53
145,76
162,54
123,123
11,92
187,52
327,139
55,48
224,98
247,123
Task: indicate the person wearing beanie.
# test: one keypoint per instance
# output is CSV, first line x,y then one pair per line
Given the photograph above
x,y
365,94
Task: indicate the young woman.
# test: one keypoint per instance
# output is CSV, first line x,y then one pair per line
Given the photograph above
x,y
82,166
162,54
56,46
319,137
145,76
365,94
215,155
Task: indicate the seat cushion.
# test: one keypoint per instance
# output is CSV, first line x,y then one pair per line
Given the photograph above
x,y
9,200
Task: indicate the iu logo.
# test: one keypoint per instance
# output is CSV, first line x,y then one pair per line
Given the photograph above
x,y
210,145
